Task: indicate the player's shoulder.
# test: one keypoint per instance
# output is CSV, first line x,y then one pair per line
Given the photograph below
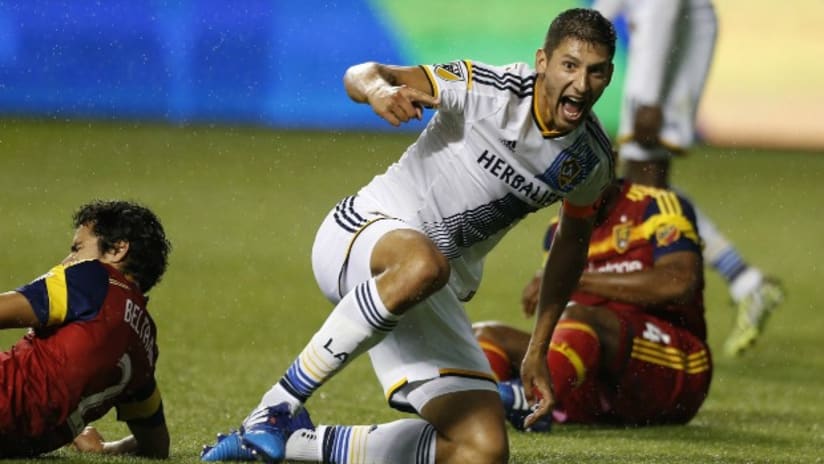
x,y
661,200
89,273
514,79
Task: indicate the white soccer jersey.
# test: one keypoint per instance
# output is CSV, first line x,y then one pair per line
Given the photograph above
x,y
485,160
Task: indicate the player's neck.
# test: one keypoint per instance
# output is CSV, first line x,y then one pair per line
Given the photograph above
x,y
543,110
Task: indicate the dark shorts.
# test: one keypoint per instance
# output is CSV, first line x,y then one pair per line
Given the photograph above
x,y
663,378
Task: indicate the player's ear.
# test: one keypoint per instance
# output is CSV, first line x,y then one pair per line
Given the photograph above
x,y
117,253
540,60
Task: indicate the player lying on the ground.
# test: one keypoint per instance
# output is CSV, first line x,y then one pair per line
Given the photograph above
x,y
91,346
631,348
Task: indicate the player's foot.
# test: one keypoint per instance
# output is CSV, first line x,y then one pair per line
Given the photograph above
x,y
517,408
227,448
267,439
753,311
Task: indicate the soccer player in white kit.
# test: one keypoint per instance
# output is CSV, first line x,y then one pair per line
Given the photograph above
x,y
670,51
399,258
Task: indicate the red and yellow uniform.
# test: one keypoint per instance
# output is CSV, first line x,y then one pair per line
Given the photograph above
x,y
664,365
95,350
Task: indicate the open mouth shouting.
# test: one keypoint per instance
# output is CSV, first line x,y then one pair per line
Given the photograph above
x,y
572,108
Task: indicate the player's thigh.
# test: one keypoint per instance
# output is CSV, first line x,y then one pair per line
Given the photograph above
x,y
343,245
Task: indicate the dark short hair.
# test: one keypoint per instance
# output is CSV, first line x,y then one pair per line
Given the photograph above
x,y
116,221
583,24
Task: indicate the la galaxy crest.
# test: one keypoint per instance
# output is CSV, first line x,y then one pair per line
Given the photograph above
x,y
570,169
449,71
621,235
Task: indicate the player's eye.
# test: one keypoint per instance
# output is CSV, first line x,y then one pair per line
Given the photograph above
x,y
75,248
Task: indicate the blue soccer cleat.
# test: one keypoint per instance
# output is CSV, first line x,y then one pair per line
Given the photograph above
x,y
267,439
227,448
517,408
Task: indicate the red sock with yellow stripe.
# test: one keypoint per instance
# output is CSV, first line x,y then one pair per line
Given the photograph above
x,y
498,360
574,355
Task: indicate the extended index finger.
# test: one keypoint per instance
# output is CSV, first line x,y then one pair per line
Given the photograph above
x,y
416,96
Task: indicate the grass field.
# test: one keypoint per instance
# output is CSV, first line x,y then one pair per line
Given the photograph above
x,y
239,301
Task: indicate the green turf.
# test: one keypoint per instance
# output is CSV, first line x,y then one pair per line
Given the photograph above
x,y
239,301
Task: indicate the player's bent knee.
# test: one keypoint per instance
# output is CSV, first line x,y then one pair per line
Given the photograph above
x,y
429,271
414,257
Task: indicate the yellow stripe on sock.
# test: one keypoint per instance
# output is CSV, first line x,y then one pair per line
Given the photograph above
x,y
580,369
487,346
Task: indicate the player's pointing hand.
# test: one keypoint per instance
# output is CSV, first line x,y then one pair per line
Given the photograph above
x,y
398,104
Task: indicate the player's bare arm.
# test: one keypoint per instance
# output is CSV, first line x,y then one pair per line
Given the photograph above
x,y
565,262
395,93
672,280
16,311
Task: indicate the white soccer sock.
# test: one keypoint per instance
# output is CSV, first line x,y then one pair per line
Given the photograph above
x,y
745,283
403,441
356,324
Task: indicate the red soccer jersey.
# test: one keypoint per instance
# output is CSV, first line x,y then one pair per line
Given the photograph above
x,y
96,350
644,225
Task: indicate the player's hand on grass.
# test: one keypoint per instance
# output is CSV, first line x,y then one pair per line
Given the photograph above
x,y
89,441
537,384
399,104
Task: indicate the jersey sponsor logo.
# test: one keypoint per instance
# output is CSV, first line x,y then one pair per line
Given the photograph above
x,y
449,71
619,267
667,234
620,237
501,169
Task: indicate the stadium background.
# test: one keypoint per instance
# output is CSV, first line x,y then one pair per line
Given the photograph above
x,y
279,63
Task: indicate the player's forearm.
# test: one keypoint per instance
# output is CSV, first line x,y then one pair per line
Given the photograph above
x,y
130,445
363,79
16,311
647,288
127,445
562,270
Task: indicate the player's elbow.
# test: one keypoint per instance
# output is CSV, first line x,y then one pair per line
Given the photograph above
x,y
357,77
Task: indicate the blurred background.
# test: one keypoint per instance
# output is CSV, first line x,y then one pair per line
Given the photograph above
x,y
279,63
